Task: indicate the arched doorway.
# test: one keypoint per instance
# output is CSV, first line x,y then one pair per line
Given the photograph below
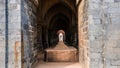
x,y
57,16
52,16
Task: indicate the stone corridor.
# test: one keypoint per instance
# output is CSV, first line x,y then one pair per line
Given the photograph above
x,y
29,27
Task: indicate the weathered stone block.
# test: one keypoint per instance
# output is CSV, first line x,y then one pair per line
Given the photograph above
x,y
112,10
96,64
109,1
55,55
96,46
115,62
112,53
14,1
117,1
95,55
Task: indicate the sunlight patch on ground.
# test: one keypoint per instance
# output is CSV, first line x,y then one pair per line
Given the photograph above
x,y
58,65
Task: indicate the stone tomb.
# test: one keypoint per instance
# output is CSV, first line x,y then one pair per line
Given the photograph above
x,y
61,52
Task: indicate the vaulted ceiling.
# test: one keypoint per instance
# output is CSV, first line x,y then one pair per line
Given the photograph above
x,y
54,15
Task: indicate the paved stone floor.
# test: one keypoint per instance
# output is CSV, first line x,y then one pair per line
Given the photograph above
x,y
58,65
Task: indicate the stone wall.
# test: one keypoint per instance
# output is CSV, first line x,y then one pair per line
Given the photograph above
x,y
29,32
98,27
14,34
103,18
2,33
10,34
95,33
19,16
83,34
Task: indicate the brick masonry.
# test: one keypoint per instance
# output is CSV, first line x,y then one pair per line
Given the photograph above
x,y
83,34
29,32
2,33
14,34
99,38
103,18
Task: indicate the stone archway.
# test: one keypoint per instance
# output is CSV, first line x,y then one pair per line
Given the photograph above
x,y
54,19
52,16
24,31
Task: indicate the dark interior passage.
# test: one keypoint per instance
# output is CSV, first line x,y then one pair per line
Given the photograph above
x,y
41,20
54,16
58,22
46,19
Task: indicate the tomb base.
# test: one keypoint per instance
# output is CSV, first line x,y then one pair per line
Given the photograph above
x,y
61,55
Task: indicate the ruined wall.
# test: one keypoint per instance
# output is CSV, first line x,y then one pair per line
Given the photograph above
x,y
83,33
2,33
95,33
103,18
10,34
29,32
14,34
14,17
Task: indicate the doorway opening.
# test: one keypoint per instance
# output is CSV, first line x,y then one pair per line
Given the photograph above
x,y
57,15
40,32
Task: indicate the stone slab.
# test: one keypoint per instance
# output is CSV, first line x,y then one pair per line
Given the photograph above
x,y
54,55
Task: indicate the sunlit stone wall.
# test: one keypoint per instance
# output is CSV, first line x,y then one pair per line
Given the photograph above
x,y
104,25
2,33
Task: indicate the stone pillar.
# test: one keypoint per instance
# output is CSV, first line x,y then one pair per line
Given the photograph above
x,y
2,34
104,33
14,34
82,34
